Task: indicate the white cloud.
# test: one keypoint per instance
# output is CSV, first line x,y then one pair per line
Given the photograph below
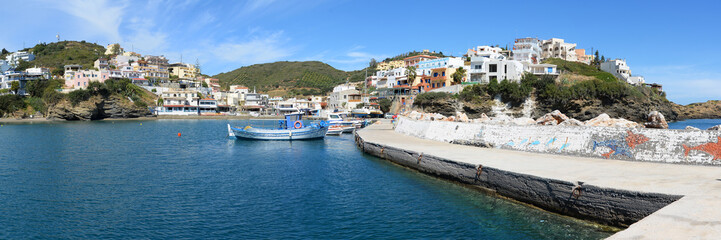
x,y
257,50
103,16
355,57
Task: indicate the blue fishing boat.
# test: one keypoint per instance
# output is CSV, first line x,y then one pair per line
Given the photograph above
x,y
291,128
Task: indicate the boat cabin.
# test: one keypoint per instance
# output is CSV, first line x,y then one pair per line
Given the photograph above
x,y
293,120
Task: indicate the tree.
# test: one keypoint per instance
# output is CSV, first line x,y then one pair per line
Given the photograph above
x,y
204,84
411,72
4,51
459,75
15,86
373,63
603,59
115,49
385,105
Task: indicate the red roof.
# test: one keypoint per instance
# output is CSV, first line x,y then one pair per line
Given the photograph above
x,y
210,99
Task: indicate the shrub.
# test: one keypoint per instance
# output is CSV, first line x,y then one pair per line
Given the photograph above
x,y
37,104
429,97
79,95
51,96
10,103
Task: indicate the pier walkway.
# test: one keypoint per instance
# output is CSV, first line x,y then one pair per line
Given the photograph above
x,y
697,215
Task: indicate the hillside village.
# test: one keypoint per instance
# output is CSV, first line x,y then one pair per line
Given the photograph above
x,y
181,89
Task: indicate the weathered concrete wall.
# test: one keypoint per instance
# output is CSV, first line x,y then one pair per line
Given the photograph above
x,y
635,144
607,206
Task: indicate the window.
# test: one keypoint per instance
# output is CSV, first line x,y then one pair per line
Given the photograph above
x,y
444,84
435,74
492,68
505,68
443,74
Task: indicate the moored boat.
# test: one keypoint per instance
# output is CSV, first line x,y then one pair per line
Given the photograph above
x,y
292,128
334,130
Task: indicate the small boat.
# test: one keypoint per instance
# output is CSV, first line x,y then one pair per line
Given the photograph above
x,y
348,129
361,112
292,128
334,130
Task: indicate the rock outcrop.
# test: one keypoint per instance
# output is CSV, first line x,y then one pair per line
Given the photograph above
x,y
690,128
656,120
96,108
552,118
715,128
604,120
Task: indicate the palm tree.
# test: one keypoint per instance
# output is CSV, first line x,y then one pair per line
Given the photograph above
x,y
411,72
459,75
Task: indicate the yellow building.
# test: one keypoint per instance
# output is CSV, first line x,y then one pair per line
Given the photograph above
x,y
184,71
384,66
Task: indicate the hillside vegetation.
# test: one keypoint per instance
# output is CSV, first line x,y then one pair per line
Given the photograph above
x,y
58,54
582,100
293,78
578,68
414,53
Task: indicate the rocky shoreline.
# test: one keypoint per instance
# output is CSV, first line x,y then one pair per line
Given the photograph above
x,y
654,119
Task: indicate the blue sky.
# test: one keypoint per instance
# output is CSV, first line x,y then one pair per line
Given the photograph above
x,y
669,42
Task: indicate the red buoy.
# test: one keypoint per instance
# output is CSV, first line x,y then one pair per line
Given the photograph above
x,y
178,134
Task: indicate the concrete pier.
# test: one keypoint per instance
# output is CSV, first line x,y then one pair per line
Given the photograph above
x,y
654,200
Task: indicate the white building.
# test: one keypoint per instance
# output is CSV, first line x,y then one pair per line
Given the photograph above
x,y
527,50
15,57
557,48
485,69
425,67
618,68
185,102
31,74
486,51
344,97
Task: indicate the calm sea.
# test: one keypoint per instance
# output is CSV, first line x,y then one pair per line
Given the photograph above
x,y
138,180
702,124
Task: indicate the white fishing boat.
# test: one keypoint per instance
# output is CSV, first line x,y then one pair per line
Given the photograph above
x,y
335,130
292,128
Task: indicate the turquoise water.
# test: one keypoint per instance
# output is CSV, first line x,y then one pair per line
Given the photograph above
x,y
702,124
95,180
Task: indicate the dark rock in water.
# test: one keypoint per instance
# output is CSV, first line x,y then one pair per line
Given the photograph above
x,y
715,128
97,108
656,120
475,143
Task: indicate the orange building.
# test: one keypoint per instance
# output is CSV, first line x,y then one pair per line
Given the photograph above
x,y
413,60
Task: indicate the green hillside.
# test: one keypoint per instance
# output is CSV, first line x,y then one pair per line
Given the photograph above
x,y
581,69
57,54
293,78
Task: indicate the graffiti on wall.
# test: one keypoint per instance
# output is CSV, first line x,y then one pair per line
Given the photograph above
x,y
621,147
712,148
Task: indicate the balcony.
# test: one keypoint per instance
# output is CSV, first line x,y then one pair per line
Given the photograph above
x,y
439,78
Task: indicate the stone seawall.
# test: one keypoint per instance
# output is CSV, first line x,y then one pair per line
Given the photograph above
x,y
700,147
611,207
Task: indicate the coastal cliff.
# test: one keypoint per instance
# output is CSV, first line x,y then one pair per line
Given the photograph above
x,y
95,108
706,110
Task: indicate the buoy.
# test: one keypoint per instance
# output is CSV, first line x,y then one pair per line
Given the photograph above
x,y
141,124
178,134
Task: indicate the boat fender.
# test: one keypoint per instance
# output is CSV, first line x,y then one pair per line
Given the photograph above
x,y
297,124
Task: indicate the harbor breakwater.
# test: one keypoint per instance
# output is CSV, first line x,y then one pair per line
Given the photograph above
x,y
700,147
612,207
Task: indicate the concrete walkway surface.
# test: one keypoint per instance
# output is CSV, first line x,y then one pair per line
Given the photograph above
x,y
697,215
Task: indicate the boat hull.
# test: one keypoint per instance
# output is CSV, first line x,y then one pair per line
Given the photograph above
x,y
306,133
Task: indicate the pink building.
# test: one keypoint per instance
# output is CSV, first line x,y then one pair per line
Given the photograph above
x,y
81,79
